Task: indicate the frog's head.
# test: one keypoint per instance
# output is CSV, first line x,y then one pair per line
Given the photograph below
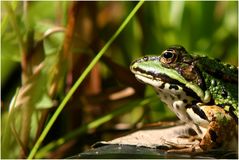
x,y
175,66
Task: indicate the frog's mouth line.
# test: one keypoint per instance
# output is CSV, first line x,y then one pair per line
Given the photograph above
x,y
157,79
154,76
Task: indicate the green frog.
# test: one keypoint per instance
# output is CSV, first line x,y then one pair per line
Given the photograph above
x,y
201,91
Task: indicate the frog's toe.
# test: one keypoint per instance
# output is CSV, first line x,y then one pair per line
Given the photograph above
x,y
192,149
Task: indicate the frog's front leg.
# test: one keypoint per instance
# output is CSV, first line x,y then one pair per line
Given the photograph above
x,y
221,130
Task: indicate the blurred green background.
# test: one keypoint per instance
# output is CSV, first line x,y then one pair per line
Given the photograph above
x,y
46,46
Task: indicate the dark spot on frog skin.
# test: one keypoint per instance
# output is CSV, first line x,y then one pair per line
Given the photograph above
x,y
192,132
172,97
199,112
162,86
177,106
171,86
213,135
185,101
224,93
178,96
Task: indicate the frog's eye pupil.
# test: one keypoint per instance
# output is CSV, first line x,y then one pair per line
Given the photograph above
x,y
168,54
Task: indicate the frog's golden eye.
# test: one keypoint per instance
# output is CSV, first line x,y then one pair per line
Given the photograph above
x,y
168,56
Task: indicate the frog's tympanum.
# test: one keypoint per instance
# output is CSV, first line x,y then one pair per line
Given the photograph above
x,y
201,91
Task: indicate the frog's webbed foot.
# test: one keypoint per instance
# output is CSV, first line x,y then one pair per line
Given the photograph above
x,y
187,143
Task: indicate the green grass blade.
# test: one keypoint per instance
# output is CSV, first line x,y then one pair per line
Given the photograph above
x,y
81,78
